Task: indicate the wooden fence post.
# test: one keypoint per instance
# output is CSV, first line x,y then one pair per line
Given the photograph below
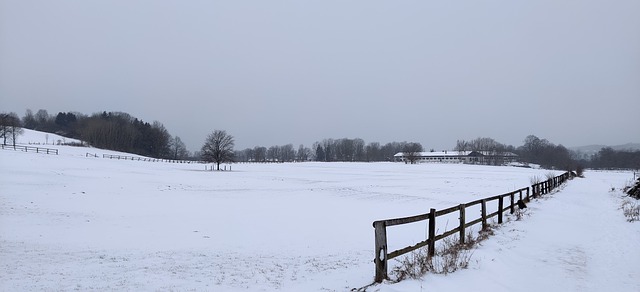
x,y
484,214
528,194
500,207
432,233
381,251
462,223
512,209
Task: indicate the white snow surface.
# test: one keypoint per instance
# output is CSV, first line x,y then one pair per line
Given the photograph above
x,y
72,222
31,137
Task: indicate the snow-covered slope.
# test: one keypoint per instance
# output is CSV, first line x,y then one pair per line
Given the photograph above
x,y
52,141
70,222
32,137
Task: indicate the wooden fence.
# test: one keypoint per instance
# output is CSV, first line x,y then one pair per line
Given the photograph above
x,y
134,158
30,149
382,255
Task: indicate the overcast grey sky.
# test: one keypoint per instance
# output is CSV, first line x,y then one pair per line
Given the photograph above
x,y
278,72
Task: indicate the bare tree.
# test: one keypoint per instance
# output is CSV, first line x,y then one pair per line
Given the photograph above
x,y
178,149
218,148
303,153
245,155
373,152
274,153
29,120
287,153
412,151
10,128
359,152
43,120
260,154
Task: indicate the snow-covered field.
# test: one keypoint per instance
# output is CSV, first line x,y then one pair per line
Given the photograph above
x,y
71,222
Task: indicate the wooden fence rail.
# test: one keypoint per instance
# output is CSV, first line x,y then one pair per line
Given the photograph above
x,y
134,158
29,149
382,255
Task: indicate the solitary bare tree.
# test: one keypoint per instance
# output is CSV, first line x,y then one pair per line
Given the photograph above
x,y
218,148
412,151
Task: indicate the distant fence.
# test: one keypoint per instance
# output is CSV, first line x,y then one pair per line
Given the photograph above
x,y
134,158
382,255
30,149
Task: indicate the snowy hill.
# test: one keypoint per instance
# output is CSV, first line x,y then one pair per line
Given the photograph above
x,y
64,145
32,137
72,222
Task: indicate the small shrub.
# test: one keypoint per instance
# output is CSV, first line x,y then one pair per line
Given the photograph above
x,y
412,266
520,213
535,179
449,257
550,175
580,171
631,210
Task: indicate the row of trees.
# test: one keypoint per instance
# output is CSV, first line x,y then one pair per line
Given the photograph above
x,y
108,130
547,154
534,150
122,132
610,158
344,149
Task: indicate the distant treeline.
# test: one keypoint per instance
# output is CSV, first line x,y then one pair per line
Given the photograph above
x,y
548,155
110,130
327,150
123,132
608,158
534,150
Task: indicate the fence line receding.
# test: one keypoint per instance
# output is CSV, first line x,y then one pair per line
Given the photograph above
x,y
29,149
382,255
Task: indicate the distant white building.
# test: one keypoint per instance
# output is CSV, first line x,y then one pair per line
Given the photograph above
x,y
468,157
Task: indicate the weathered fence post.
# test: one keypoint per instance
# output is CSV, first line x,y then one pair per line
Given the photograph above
x,y
512,208
545,187
462,223
528,194
500,207
381,251
484,214
432,233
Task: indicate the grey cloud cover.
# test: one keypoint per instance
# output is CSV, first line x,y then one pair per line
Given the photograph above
x,y
278,72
